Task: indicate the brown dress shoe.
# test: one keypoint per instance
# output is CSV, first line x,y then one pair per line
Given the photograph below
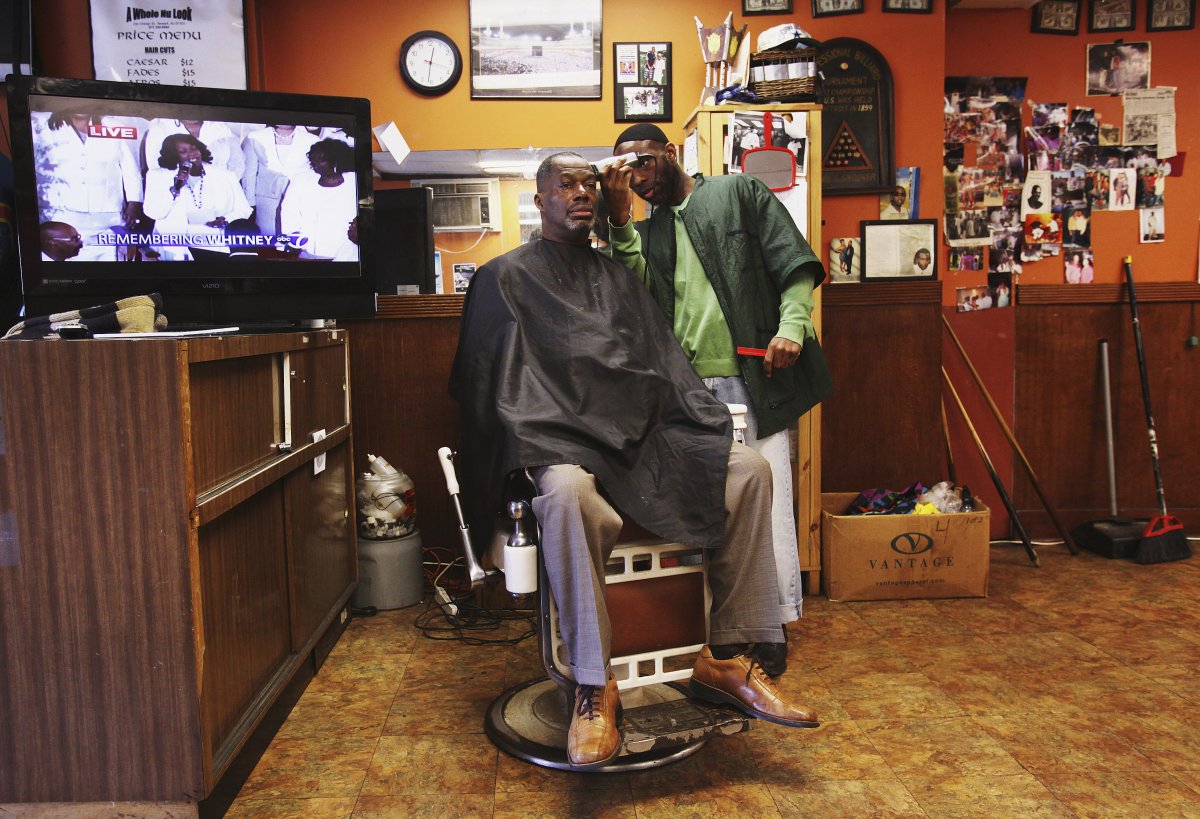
x,y
742,683
595,736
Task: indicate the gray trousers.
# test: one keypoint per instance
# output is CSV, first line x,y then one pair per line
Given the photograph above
x,y
579,529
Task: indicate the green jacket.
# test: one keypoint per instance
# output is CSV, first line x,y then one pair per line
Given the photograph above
x,y
749,246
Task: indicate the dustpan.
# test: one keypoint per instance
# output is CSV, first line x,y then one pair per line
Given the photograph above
x,y
1113,537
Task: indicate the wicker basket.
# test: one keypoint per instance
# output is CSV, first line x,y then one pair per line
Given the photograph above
x,y
792,89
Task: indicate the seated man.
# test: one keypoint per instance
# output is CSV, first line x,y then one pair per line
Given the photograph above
x,y
567,368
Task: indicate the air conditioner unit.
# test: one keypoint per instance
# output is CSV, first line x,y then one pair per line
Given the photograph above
x,y
464,204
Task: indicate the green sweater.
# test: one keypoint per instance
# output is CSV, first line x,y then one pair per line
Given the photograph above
x,y
733,242
699,322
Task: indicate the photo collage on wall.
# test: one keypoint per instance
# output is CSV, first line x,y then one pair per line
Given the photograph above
x,y
1010,202
984,169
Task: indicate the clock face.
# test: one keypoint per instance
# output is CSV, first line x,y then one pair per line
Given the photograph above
x,y
430,62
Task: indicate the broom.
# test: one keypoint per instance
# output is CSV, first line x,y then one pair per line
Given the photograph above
x,y
1113,537
1163,539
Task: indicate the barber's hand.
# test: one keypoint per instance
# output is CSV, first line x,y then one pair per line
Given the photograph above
x,y
614,183
781,352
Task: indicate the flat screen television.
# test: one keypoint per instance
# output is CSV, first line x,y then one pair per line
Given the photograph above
x,y
219,200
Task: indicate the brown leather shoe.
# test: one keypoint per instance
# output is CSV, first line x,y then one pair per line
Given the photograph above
x,y
742,683
595,736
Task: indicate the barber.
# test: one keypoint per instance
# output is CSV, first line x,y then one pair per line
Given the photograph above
x,y
724,260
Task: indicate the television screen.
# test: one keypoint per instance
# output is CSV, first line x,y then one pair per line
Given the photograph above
x,y
234,205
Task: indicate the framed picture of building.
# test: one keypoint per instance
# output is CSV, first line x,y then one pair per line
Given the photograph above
x,y
535,49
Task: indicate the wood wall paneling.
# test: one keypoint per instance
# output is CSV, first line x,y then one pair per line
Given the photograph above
x,y
399,368
987,337
1059,408
880,428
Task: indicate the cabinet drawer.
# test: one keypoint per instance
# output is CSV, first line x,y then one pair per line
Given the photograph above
x,y
318,391
236,416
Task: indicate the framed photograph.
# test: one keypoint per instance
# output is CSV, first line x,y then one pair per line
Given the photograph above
x,y
908,6
1170,15
463,272
1056,17
538,50
1111,15
845,260
832,8
899,250
642,82
766,7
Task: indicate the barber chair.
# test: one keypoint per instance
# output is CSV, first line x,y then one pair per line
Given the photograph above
x,y
658,602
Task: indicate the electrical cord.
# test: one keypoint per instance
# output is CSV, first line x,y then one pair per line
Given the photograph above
x,y
470,623
451,617
482,233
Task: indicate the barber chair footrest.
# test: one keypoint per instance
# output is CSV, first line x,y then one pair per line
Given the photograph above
x,y
660,725
676,722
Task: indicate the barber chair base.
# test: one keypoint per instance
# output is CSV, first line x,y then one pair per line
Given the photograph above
x,y
660,725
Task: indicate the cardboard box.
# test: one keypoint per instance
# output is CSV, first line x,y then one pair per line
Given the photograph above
x,y
891,557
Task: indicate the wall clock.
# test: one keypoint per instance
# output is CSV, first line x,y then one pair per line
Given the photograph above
x,y
430,63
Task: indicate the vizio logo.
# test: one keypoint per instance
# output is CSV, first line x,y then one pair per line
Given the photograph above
x,y
912,543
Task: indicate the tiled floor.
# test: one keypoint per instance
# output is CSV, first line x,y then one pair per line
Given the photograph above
x,y
1070,691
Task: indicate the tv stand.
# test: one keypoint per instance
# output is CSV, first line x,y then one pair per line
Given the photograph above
x,y
173,561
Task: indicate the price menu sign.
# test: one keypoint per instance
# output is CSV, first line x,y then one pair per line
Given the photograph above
x,y
170,43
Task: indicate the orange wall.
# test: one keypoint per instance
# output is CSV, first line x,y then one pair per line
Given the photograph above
x,y
998,43
293,32
352,48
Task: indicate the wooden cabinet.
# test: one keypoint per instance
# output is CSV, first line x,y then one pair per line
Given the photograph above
x,y
170,556
709,124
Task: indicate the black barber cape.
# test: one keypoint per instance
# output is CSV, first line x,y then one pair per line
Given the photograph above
x,y
564,358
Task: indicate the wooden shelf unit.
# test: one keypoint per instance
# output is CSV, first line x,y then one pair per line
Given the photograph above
x,y
169,556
